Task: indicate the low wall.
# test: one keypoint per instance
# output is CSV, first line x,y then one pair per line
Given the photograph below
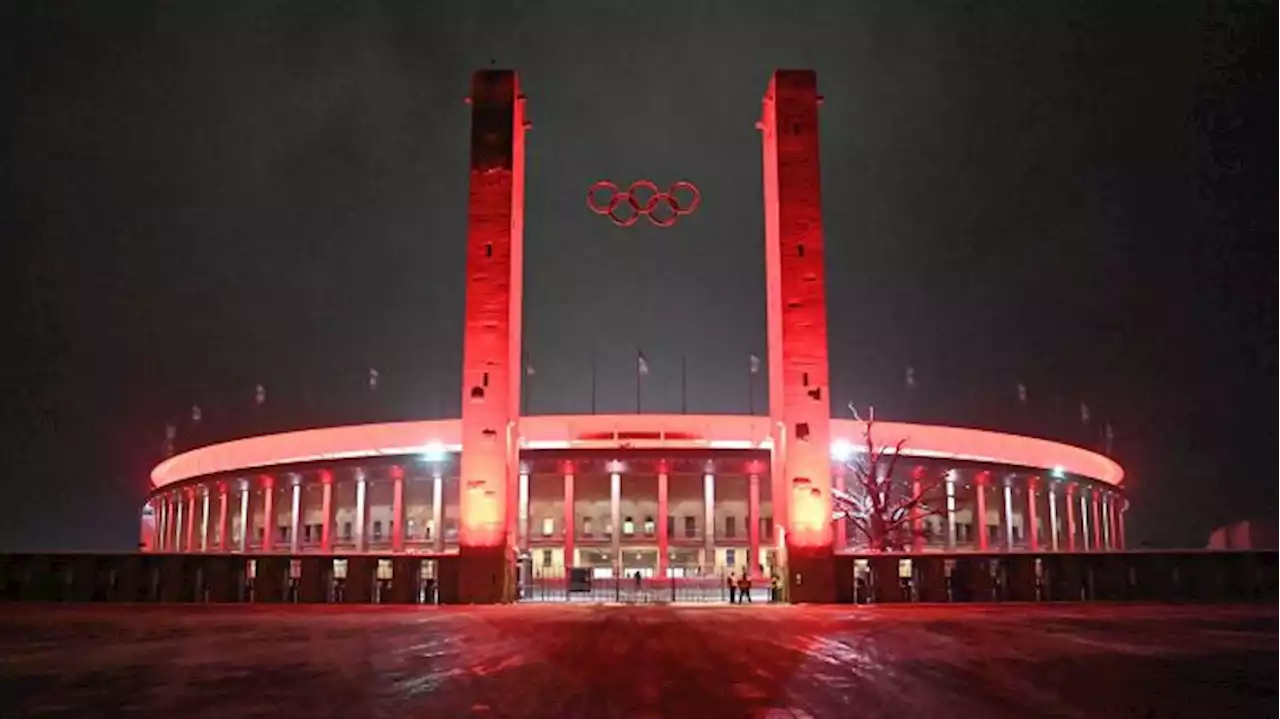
x,y
1151,576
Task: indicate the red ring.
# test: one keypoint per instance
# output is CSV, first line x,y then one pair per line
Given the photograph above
x,y
693,191
591,194
675,211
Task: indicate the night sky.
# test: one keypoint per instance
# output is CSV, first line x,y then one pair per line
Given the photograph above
x,y
201,197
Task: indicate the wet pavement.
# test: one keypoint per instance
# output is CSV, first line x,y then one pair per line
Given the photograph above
x,y
639,661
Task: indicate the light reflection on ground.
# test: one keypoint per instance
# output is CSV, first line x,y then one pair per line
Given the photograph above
x,y
643,661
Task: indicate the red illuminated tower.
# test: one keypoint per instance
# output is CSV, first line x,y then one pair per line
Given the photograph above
x,y
491,342
799,407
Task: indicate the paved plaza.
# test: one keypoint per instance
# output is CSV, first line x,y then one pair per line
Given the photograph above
x,y
638,661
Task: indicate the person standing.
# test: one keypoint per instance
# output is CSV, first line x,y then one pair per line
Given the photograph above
x,y
744,587
733,588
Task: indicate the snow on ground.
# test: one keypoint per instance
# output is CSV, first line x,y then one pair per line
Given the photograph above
x,y
638,661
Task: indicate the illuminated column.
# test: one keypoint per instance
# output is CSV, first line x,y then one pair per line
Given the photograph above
x,y
491,333
1070,502
1085,540
1029,526
397,509
1008,514
1095,497
664,508
753,526
162,510
917,530
190,540
951,509
204,519
522,508
244,516
980,509
1124,508
177,526
615,520
1053,516
224,514
362,518
268,513
326,511
709,520
799,405
569,527
295,517
1106,522
1070,517
437,511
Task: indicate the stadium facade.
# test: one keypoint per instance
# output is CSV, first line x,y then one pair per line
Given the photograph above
x,y
507,497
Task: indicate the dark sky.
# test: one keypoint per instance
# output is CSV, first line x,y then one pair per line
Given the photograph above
x,y
202,196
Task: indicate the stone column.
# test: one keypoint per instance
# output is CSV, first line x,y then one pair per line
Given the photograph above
x,y
615,519
980,509
917,516
204,518
326,511
522,512
1096,501
243,539
1008,514
570,528
295,517
951,509
362,519
176,541
709,519
1053,516
1029,526
397,509
1106,521
664,508
161,504
224,517
268,513
753,526
189,541
1084,523
437,511
1124,508
1070,502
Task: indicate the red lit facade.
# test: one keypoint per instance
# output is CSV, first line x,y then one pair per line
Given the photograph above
x,y
661,495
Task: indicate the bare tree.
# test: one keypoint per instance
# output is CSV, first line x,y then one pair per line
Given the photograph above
x,y
886,512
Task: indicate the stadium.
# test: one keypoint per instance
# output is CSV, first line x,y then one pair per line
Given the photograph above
x,y
510,499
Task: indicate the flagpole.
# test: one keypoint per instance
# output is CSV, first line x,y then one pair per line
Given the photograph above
x,y
593,379
524,384
638,375
751,386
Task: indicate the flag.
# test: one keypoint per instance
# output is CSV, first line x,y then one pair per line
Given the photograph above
x,y
1022,393
755,364
373,379
642,364
1084,413
529,370
911,378
196,414
1109,436
259,395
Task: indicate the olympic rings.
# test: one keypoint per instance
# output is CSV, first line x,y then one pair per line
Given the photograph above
x,y
643,198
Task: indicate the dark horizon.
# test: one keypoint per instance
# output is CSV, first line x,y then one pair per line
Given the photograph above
x,y
1080,199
